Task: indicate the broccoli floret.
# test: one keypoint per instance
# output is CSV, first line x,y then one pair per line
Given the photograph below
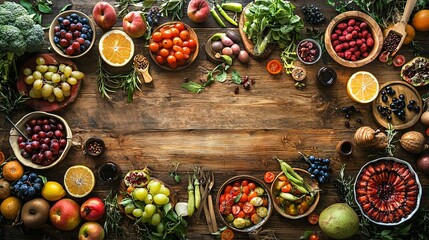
x,y
34,38
5,17
12,40
24,22
14,9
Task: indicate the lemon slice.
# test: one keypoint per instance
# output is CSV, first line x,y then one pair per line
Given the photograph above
x,y
362,87
79,181
116,48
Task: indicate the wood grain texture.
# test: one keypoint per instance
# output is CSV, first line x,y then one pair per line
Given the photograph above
x,y
230,134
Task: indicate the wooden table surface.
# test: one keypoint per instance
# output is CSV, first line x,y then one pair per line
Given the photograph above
x,y
227,133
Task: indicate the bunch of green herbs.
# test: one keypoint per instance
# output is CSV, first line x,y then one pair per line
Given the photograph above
x,y
113,220
172,8
125,5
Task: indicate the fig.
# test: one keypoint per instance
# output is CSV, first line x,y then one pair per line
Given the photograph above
x,y
227,51
384,56
399,60
416,71
235,48
217,46
35,213
423,164
233,35
226,41
243,57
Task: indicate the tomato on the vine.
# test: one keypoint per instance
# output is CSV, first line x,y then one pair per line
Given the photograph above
x,y
227,234
269,177
274,67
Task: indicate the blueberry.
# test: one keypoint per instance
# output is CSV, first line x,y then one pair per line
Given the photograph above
x,y
379,108
314,166
384,98
393,106
312,176
383,92
412,102
326,160
345,109
401,96
410,106
74,15
31,191
38,180
24,178
84,21
82,48
388,87
87,43
326,174
311,159
325,168
389,118
60,19
416,109
23,187
37,187
321,179
310,170
32,176
84,29
316,172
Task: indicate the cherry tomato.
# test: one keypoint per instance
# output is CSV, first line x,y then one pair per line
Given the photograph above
x,y
167,34
228,196
287,188
314,236
173,65
236,209
241,214
180,26
252,195
179,55
243,198
171,60
180,62
186,50
227,189
269,177
244,183
192,43
227,234
283,178
177,41
167,43
153,47
264,202
313,218
251,185
157,36
185,44
248,207
159,59
274,67
235,191
174,32
225,208
177,48
185,56
222,198
236,184
246,189
255,218
164,52
184,35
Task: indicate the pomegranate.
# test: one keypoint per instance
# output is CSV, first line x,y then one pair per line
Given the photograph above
x,y
92,209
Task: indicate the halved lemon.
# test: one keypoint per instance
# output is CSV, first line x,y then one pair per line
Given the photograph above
x,y
362,87
116,48
79,181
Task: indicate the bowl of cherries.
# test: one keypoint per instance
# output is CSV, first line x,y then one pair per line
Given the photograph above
x,y
47,140
72,34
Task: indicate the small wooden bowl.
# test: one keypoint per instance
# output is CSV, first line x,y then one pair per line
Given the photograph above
x,y
376,33
191,59
123,193
21,124
93,140
259,183
57,49
41,104
306,175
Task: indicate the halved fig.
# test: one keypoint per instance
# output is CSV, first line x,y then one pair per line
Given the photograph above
x,y
137,178
399,60
384,56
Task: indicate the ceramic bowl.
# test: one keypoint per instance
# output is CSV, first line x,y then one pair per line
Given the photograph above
x,y
265,195
21,124
388,191
280,205
315,44
374,29
192,56
56,46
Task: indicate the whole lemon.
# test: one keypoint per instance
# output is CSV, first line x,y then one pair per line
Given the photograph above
x,y
53,191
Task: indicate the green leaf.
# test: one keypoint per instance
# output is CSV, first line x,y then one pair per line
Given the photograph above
x,y
44,179
237,199
221,77
139,204
236,77
385,232
167,208
148,3
192,87
27,5
44,8
66,7
306,235
38,18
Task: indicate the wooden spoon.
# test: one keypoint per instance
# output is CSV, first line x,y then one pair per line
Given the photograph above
x,y
142,66
399,27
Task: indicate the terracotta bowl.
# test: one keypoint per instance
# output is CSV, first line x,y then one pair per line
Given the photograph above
x,y
193,55
56,47
376,33
21,124
41,104
266,194
306,175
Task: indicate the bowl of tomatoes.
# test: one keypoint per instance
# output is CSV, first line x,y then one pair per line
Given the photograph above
x,y
173,46
244,203
289,201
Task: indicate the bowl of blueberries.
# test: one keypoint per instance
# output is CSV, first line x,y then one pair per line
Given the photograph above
x,y
72,34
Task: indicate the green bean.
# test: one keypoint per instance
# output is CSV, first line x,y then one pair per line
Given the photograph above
x,y
225,15
217,18
191,198
197,192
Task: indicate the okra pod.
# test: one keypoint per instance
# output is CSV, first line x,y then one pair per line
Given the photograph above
x,y
226,16
299,187
289,197
234,7
191,198
217,18
197,193
287,168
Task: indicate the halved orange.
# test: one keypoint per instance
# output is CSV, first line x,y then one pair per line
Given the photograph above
x,y
362,87
79,181
116,48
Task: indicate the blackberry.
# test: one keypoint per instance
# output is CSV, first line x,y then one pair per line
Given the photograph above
x,y
153,16
312,14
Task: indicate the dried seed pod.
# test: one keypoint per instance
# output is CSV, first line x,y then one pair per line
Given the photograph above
x,y
414,142
367,137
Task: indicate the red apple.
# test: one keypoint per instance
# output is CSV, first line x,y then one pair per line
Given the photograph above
x,y
104,15
91,231
198,10
65,214
134,25
92,209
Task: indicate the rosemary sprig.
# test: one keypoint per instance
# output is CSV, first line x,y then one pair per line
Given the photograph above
x,y
113,216
390,132
345,187
123,6
173,8
10,100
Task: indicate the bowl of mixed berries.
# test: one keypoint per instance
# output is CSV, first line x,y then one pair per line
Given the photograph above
x,y
72,34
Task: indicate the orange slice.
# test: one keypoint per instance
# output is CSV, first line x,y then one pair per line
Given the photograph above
x,y
79,181
116,48
362,87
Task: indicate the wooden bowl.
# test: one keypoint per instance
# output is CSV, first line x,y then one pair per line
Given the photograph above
x,y
410,93
192,57
259,183
59,49
21,124
123,193
376,33
248,45
306,175
41,104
